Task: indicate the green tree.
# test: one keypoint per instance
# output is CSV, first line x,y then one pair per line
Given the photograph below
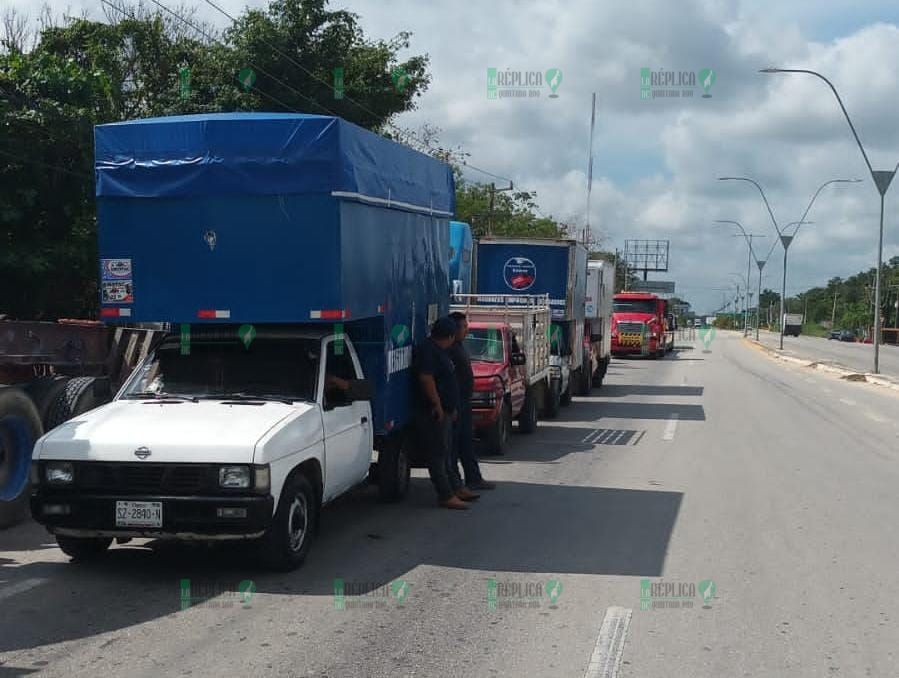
x,y
513,214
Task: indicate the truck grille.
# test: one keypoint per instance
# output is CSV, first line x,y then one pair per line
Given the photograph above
x,y
123,478
631,328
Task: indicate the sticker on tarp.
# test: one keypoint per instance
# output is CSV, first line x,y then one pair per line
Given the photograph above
x,y
117,292
116,269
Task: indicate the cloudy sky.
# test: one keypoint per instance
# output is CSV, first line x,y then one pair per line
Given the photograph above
x,y
656,161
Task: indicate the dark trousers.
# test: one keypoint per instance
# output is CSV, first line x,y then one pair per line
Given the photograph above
x,y
463,448
435,439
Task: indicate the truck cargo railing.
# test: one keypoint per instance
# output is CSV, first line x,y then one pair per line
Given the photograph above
x,y
514,310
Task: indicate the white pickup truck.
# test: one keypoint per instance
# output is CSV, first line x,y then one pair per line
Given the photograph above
x,y
216,439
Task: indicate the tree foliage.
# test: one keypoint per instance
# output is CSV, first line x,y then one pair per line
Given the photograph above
x,y
81,73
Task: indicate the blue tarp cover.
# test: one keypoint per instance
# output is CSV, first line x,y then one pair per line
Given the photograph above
x,y
264,154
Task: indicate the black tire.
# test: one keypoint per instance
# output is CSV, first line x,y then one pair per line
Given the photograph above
x,y
553,401
565,396
497,436
586,381
83,548
77,398
394,470
598,377
43,392
527,418
298,501
20,427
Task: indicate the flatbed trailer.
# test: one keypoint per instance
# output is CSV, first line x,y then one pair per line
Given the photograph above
x,y
49,373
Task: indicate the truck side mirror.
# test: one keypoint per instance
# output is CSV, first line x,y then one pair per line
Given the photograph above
x,y
359,389
518,359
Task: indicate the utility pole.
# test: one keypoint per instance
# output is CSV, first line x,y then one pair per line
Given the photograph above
x,y
833,313
493,191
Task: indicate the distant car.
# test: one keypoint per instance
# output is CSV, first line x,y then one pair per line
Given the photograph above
x,y
842,335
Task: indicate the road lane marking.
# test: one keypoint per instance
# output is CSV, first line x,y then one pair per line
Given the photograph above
x,y
875,417
846,401
671,427
20,587
606,658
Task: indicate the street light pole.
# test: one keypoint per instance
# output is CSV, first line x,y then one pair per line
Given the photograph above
x,y
881,179
758,302
748,238
785,240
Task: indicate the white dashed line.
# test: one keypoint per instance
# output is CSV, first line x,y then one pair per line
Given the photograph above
x,y
606,659
20,587
846,401
671,427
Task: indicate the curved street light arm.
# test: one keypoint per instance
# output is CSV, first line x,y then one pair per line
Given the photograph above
x,y
839,101
756,184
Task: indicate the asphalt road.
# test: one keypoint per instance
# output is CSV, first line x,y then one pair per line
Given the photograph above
x,y
775,483
851,355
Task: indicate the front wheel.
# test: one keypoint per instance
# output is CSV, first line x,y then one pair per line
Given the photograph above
x,y
83,548
289,538
553,400
498,435
527,419
565,397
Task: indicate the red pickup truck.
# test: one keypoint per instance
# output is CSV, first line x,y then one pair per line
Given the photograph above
x,y
508,342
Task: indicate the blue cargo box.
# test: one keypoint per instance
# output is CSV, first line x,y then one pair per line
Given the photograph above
x,y
276,218
535,266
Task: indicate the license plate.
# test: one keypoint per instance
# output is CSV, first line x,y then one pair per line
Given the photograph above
x,y
138,514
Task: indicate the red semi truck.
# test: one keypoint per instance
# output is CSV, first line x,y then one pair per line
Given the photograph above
x,y
641,325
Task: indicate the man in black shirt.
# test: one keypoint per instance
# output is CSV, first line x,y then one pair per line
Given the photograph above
x,y
463,438
436,409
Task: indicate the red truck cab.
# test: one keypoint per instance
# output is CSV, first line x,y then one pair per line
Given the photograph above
x,y
500,381
640,325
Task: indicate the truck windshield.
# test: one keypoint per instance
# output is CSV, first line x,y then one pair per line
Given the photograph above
x,y
634,306
485,345
268,368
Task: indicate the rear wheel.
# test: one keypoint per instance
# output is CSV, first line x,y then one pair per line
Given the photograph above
x,y
289,538
565,397
553,400
44,391
83,548
527,419
497,436
394,469
20,427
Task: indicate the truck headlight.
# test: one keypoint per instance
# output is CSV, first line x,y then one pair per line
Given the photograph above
x,y
59,472
234,477
263,478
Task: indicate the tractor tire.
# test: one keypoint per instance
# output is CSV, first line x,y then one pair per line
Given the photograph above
x,y
77,398
20,427
43,392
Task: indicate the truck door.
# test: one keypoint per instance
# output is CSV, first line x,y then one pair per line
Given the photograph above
x,y
347,425
518,375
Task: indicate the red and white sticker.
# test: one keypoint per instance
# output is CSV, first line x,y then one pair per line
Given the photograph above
x,y
115,269
116,292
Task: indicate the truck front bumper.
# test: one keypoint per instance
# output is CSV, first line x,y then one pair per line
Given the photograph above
x,y
183,517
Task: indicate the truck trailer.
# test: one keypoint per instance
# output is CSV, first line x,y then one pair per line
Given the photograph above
x,y
535,266
297,259
598,322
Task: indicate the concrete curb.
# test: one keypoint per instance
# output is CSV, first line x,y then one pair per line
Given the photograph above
x,y
842,373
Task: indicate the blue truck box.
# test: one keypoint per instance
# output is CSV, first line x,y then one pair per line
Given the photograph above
x,y
268,218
